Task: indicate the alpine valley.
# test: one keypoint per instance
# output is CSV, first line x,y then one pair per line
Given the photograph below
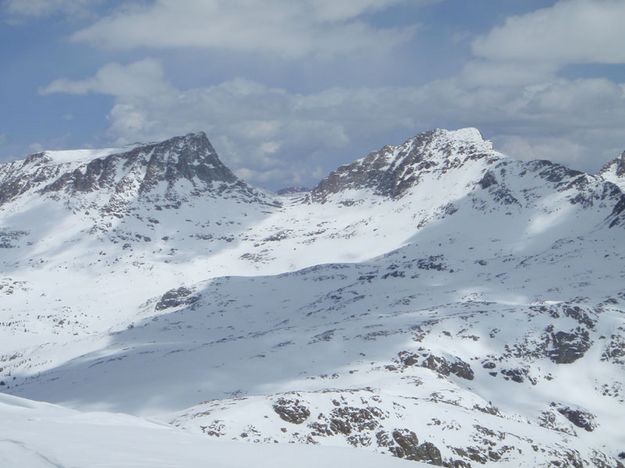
x,y
434,303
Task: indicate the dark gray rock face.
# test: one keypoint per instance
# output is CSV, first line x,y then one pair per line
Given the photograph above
x,y
427,452
438,364
552,172
19,177
405,444
292,411
176,297
617,213
580,418
569,347
517,375
190,157
488,180
345,419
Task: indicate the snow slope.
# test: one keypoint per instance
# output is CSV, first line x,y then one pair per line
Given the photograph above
x,y
39,435
435,301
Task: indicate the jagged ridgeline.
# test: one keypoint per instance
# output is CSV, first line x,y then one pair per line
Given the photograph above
x,y
434,301
178,167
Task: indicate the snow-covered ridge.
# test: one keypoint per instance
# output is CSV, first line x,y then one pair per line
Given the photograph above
x,y
78,156
434,301
394,170
110,179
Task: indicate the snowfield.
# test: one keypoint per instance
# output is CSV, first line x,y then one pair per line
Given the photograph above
x,y
39,435
435,301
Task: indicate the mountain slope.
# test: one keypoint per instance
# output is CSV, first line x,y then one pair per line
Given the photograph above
x,y
430,301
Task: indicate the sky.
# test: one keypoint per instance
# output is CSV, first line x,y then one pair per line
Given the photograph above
x,y
288,90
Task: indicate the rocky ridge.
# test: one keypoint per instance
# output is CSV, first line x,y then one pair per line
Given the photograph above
x,y
393,170
163,173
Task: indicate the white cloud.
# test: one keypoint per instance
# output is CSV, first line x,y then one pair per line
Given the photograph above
x,y
290,29
570,32
541,147
143,78
38,8
276,137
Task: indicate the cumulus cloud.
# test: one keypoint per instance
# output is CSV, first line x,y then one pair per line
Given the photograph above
x,y
275,137
143,78
532,48
291,29
569,32
511,87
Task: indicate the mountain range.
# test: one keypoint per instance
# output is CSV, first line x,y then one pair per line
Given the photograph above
x,y
435,301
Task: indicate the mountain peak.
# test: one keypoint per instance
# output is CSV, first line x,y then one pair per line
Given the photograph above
x,y
201,135
173,169
170,163
468,134
392,170
197,139
614,171
79,156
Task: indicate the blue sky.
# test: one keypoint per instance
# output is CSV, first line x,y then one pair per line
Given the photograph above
x,y
289,90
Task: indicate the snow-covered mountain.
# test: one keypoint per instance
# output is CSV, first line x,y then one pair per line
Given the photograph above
x,y
395,170
170,171
614,171
436,301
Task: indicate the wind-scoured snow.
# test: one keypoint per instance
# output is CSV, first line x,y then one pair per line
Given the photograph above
x,y
435,301
79,156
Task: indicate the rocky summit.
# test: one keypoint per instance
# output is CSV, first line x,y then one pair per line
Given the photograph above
x,y
435,302
167,172
393,170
